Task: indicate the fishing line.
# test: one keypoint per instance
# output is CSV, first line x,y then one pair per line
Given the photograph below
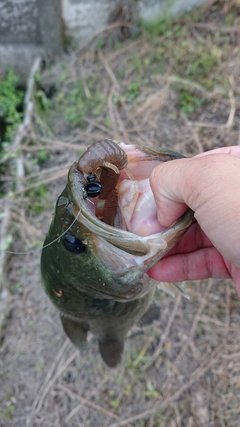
x,y
45,246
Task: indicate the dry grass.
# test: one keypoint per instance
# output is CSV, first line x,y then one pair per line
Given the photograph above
x,y
183,370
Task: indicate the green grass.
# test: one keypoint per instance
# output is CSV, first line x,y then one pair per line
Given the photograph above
x,y
41,157
81,99
38,199
188,102
11,99
8,413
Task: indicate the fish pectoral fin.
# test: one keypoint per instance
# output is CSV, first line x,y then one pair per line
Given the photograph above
x,y
76,331
152,313
111,351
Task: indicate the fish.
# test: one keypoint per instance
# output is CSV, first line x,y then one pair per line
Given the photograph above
x,y
103,238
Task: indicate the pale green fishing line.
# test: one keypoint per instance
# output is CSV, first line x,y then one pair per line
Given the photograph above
x,y
49,244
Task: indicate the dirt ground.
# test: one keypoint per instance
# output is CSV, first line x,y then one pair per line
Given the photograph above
x,y
179,88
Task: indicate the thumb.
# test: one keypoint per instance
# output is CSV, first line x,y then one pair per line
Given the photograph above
x,y
171,184
209,185
199,182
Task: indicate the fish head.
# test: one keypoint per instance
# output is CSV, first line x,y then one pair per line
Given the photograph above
x,y
105,235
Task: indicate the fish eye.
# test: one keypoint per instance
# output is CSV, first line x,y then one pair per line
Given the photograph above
x,y
72,244
93,187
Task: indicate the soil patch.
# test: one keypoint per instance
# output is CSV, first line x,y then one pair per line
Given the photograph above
x,y
176,85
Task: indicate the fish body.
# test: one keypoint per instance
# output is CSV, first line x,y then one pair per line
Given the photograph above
x,y
97,252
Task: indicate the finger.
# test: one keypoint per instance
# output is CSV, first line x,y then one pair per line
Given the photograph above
x,y
199,183
201,264
233,151
167,182
192,240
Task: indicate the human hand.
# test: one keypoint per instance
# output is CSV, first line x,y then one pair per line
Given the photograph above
x,y
209,184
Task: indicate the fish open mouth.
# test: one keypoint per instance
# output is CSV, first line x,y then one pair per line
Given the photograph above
x,y
116,185
112,194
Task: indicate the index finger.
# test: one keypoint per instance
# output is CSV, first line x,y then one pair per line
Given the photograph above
x,y
233,151
193,240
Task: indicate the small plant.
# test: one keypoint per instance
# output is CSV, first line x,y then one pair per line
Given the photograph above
x,y
188,102
38,198
42,102
100,43
115,403
41,157
11,99
202,65
157,27
151,392
133,90
40,365
8,413
128,390
82,99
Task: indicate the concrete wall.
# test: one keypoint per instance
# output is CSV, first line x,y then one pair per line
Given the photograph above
x,y
83,17
28,28
150,9
32,27
19,21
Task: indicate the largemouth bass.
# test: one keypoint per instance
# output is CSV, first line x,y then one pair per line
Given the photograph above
x,y
103,238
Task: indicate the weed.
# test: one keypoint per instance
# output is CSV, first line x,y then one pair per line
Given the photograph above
x,y
8,413
11,99
39,366
100,43
202,65
157,27
69,42
128,390
118,380
42,102
115,403
65,73
188,102
18,285
7,243
30,323
37,243
133,90
38,199
82,99
116,99
117,45
151,392
41,157
108,122
21,271
161,24
229,20
38,77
